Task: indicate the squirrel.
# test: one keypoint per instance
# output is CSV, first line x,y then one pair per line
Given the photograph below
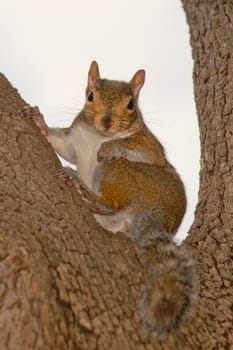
x,y
129,185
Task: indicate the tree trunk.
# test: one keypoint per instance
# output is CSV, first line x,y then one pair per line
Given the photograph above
x,y
210,238
65,283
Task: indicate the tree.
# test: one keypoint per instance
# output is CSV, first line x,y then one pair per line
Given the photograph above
x,y
65,283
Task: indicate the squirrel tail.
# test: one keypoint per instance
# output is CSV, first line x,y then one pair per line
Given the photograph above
x,y
172,289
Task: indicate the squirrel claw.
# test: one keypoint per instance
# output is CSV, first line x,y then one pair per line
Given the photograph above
x,y
71,178
29,112
34,113
69,175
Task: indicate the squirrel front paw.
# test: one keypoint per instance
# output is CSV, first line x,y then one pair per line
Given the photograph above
x,y
34,113
107,151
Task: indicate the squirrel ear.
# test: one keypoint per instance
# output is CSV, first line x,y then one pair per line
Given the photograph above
x,y
137,82
93,74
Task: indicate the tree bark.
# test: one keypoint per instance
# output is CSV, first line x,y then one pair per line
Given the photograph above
x,y
65,283
210,238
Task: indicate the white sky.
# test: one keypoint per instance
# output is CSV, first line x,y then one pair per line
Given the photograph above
x,y
46,48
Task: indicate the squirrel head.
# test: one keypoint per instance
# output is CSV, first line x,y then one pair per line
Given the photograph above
x,y
111,106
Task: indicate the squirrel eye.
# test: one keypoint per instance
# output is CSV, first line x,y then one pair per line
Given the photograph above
x,y
90,96
130,104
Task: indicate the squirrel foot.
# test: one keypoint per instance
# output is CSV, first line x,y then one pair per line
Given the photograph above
x,y
34,113
92,201
70,176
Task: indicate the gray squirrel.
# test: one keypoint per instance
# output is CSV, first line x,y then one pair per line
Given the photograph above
x,y
129,185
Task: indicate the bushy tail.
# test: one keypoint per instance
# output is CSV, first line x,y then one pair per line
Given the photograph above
x,y
172,291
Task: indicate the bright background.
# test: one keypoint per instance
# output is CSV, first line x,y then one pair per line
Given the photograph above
x,y
46,48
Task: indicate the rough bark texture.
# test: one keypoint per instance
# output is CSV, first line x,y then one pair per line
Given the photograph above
x,y
65,283
211,28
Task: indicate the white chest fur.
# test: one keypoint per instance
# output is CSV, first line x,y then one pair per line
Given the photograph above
x,y
86,143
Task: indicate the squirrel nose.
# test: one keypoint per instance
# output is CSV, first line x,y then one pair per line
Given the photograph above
x,y
107,120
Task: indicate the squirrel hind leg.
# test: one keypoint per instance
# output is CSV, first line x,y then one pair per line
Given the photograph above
x,y
172,292
148,227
